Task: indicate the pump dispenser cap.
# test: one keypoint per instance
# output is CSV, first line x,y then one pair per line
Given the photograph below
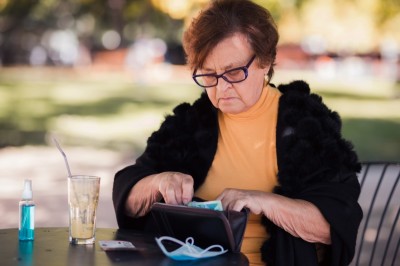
x,y
27,193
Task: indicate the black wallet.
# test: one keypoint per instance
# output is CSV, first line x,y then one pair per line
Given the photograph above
x,y
207,227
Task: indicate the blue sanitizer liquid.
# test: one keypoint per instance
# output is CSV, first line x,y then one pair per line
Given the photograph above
x,y
27,221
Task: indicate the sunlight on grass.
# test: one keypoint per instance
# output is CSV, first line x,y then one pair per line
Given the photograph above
x,y
75,94
365,108
122,129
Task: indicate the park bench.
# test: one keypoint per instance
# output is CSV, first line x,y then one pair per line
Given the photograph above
x,y
378,237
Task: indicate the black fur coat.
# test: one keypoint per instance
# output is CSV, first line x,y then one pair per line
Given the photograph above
x,y
315,164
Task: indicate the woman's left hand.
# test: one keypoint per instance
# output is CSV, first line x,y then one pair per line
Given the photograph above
x,y
237,199
298,217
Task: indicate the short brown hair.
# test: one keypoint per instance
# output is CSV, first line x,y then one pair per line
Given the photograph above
x,y
223,18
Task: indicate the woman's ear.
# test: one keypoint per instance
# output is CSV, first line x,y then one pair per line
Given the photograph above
x,y
266,69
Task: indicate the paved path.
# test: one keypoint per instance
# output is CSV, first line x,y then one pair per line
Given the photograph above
x,y
45,166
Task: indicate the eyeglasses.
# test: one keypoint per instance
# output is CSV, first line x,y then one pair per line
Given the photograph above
x,y
233,75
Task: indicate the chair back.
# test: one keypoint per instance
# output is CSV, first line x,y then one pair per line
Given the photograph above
x,y
378,237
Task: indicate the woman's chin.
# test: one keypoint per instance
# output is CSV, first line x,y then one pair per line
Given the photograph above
x,y
229,110
230,106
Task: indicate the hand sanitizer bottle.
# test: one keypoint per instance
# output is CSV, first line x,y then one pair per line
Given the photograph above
x,y
27,213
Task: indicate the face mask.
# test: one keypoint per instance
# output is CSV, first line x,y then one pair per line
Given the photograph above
x,y
188,251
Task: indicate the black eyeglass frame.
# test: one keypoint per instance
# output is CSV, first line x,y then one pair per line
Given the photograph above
x,y
245,69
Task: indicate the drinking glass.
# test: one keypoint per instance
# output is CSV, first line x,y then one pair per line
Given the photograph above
x,y
83,198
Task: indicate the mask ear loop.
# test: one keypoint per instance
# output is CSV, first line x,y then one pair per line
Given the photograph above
x,y
159,242
189,242
222,250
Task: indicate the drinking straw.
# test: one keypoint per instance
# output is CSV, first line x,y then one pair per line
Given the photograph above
x,y
63,154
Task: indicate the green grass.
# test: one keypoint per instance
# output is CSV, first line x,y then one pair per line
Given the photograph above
x,y
374,139
111,110
102,110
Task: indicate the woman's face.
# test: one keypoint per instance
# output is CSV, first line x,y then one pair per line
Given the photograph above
x,y
234,98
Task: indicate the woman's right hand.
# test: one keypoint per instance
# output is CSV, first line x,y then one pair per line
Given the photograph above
x,y
175,187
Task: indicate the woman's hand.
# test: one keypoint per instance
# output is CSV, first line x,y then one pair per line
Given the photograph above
x,y
298,217
175,187
237,199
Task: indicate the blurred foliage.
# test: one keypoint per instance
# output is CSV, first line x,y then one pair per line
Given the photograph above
x,y
387,9
24,23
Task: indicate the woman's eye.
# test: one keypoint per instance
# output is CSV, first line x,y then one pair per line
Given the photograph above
x,y
208,77
234,73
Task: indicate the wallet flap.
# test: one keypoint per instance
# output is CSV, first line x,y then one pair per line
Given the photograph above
x,y
238,223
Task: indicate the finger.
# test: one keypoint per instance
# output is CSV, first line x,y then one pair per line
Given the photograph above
x,y
187,189
220,197
224,195
177,188
178,196
170,194
225,199
225,203
238,205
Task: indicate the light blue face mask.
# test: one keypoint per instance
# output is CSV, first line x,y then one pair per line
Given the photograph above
x,y
188,251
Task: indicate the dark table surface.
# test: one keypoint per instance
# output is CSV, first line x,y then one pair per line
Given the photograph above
x,y
51,247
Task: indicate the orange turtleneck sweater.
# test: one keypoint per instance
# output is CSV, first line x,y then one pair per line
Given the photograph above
x,y
246,159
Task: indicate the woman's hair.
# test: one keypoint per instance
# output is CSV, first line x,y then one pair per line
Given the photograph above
x,y
222,19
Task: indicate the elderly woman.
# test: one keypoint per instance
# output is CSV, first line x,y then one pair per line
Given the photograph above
x,y
276,151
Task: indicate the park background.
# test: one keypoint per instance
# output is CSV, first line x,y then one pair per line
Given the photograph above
x,y
100,75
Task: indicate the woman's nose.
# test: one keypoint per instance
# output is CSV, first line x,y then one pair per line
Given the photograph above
x,y
223,84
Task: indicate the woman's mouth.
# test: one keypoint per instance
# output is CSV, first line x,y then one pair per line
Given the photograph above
x,y
226,99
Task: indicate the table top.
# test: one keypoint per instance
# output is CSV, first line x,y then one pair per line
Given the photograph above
x,y
51,247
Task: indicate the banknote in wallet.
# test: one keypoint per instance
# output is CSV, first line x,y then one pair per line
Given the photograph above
x,y
215,205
